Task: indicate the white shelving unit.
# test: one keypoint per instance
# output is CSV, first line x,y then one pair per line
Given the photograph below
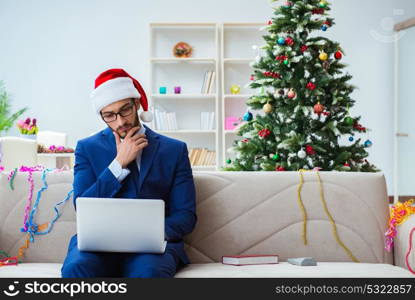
x,y
237,53
188,73
225,48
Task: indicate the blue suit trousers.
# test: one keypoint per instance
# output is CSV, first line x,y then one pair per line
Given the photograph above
x,y
83,264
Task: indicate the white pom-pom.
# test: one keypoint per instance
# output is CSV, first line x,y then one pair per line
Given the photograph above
x,y
146,116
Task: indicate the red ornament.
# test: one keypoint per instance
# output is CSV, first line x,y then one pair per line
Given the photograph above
x,y
311,86
318,108
289,41
326,113
346,165
338,55
269,22
279,169
252,77
359,127
264,133
318,11
304,48
310,150
327,23
272,74
245,141
281,58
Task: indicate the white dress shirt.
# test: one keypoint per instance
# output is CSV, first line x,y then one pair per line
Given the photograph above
x,y
115,166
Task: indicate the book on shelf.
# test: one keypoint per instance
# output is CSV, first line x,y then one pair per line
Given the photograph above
x,y
211,82
241,260
208,82
201,157
207,120
165,120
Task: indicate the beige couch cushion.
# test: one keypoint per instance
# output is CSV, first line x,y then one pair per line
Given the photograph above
x,y
258,213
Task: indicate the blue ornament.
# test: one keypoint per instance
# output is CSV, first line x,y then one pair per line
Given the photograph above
x,y
324,27
281,41
351,139
248,116
368,143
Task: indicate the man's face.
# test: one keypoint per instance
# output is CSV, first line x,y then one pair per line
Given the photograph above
x,y
127,117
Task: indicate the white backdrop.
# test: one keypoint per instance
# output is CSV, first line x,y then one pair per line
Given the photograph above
x,y
51,51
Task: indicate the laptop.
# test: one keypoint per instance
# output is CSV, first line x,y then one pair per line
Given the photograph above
x,y
120,225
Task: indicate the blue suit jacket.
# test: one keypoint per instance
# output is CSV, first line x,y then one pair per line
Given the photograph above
x,y
165,173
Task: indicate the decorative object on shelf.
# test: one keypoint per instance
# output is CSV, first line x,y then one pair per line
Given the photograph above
x,y
54,149
232,122
177,90
182,50
235,89
163,90
28,128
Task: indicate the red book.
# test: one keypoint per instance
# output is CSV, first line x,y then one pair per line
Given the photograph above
x,y
241,260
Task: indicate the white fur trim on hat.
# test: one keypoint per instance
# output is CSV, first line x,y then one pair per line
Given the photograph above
x,y
112,91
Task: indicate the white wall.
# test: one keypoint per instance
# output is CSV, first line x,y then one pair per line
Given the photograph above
x,y
51,51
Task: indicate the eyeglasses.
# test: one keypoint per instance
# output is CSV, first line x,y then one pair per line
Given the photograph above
x,y
124,112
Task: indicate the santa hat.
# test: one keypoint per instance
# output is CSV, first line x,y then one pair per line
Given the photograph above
x,y
116,84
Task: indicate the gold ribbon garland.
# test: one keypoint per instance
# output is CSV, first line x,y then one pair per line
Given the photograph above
x,y
304,213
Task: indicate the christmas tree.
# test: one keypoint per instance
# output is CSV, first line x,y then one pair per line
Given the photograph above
x,y
305,100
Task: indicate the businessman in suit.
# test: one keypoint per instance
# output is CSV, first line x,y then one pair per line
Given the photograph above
x,y
129,160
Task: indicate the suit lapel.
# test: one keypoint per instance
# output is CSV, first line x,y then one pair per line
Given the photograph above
x,y
148,154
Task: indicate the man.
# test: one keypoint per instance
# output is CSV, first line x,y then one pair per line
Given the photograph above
x,y
129,160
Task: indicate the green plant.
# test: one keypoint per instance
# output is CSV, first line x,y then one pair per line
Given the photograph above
x,y
7,119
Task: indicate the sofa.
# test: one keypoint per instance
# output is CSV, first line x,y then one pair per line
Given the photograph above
x,y
238,213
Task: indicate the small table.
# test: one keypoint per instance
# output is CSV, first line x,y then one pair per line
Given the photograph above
x,y
56,160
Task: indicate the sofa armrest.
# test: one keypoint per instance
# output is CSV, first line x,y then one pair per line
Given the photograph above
x,y
401,243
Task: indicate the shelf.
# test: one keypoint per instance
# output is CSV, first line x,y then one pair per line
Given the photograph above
x,y
204,168
230,131
183,60
244,25
185,131
238,60
184,96
182,25
236,96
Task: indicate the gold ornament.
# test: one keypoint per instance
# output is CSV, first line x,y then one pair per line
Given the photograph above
x,y
323,56
267,108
